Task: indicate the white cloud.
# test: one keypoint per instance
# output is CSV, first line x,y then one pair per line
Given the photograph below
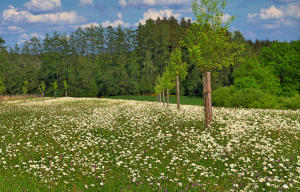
x,y
15,29
271,13
120,16
251,16
115,23
16,16
124,3
26,37
94,24
43,5
273,17
86,2
293,10
154,14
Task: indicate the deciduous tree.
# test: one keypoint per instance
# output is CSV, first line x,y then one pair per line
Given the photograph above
x,y
25,89
2,88
42,88
210,45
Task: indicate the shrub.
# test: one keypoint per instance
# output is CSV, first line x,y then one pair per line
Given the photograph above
x,y
252,98
221,96
292,102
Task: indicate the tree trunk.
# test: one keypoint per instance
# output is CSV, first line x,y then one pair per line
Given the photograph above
x,y
24,97
160,98
1,99
43,97
66,93
168,98
163,96
207,98
55,94
177,88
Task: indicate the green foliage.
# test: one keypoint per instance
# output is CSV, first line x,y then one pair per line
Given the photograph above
x,y
42,87
221,96
208,42
210,12
55,85
292,102
65,85
246,97
2,86
245,82
252,98
284,59
25,87
176,67
251,74
158,86
101,61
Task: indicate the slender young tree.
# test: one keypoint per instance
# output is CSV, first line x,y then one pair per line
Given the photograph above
x,y
66,88
209,44
2,88
177,69
55,87
167,83
25,89
158,88
42,88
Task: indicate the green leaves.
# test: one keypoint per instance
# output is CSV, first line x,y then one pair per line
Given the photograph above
x,y
208,41
65,85
42,87
55,85
176,67
2,87
25,87
210,12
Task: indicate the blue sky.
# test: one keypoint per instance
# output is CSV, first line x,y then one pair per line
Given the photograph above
x,y
20,20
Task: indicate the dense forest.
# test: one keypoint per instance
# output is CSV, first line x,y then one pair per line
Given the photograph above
x,y
99,61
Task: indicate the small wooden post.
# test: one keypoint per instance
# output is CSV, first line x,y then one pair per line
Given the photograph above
x,y
177,90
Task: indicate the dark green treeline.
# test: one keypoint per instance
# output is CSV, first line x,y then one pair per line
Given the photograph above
x,y
101,61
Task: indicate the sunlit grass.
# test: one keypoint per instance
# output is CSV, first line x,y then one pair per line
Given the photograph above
x,y
184,100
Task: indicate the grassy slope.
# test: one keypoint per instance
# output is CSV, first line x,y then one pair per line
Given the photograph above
x,y
184,100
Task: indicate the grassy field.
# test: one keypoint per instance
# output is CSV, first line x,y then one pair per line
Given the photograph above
x,y
81,144
184,100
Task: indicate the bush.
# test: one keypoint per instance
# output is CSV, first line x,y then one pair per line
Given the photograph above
x,y
252,98
221,96
292,102
246,82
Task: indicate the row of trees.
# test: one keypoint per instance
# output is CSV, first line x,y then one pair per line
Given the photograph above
x,y
123,67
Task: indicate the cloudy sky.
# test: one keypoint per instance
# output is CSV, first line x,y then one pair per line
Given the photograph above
x,y
22,19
